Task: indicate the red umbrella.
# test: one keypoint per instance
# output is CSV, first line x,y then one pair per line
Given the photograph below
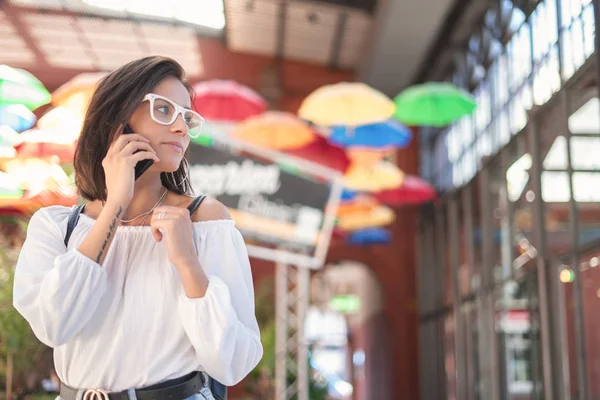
x,y
43,143
64,151
322,152
226,100
413,190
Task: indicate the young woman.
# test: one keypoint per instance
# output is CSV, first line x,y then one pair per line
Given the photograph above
x,y
152,292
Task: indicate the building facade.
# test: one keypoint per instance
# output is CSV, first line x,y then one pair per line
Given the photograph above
x,y
509,256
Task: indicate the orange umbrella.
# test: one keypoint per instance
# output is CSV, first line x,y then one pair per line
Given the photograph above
x,y
275,130
360,204
381,176
77,93
374,217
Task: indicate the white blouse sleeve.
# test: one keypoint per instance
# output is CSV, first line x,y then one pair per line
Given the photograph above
x,y
222,325
56,291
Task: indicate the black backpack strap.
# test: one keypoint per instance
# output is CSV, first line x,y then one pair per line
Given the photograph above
x,y
73,219
195,204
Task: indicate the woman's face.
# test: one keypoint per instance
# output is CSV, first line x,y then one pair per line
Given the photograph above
x,y
169,141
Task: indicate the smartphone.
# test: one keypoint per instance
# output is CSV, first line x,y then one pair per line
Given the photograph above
x,y
141,166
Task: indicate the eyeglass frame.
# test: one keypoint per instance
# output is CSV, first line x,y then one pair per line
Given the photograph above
x,y
179,110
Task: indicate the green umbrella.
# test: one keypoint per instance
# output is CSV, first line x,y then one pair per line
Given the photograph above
x,y
20,87
433,104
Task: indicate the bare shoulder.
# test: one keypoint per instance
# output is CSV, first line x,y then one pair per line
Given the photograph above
x,y
210,210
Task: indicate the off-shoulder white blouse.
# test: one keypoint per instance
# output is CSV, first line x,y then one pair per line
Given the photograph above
x,y
128,324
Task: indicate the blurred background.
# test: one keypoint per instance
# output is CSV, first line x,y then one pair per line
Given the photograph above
x,y
417,181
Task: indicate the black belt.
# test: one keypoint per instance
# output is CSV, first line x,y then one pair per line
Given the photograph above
x,y
174,389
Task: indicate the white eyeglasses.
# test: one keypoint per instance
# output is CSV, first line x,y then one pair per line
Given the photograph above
x,y
165,111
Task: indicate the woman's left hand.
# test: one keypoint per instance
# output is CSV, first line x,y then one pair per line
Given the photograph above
x,y
174,225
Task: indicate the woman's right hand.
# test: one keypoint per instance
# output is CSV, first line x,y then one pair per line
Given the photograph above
x,y
119,166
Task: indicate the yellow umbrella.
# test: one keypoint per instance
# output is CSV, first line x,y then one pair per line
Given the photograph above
x,y
275,130
346,103
376,217
382,176
77,93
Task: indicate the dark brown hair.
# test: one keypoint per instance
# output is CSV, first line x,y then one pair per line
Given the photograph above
x,y
115,100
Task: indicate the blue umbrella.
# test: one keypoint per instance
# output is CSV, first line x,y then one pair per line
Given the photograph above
x,y
17,116
370,236
382,135
348,195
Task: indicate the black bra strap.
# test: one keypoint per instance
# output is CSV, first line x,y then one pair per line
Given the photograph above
x,y
73,219
195,204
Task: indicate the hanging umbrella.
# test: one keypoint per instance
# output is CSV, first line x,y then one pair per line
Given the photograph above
x,y
433,104
348,195
275,130
359,204
324,153
366,157
16,116
376,217
381,176
369,236
18,86
227,100
413,190
77,92
346,103
46,143
386,135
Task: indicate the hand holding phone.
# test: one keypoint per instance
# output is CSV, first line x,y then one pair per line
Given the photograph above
x,y
125,160
141,166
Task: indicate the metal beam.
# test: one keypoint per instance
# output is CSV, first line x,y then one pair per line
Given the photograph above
x,y
291,349
338,36
540,243
201,31
279,50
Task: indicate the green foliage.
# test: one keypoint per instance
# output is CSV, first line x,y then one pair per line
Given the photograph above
x,y
16,335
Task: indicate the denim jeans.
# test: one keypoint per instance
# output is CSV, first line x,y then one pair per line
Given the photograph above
x,y
203,394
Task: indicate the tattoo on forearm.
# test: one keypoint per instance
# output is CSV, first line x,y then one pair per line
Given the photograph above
x,y
109,234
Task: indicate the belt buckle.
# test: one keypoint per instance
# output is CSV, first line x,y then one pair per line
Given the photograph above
x,y
95,394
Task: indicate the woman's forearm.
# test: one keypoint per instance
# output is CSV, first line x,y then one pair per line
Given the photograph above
x,y
98,240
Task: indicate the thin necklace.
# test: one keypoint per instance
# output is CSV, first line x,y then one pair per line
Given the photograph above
x,y
160,200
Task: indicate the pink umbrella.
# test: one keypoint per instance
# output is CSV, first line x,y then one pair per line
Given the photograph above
x,y
413,190
227,101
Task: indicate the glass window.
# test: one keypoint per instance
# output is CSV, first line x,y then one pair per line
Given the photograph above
x,y
503,127
588,29
544,30
546,80
520,55
502,85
